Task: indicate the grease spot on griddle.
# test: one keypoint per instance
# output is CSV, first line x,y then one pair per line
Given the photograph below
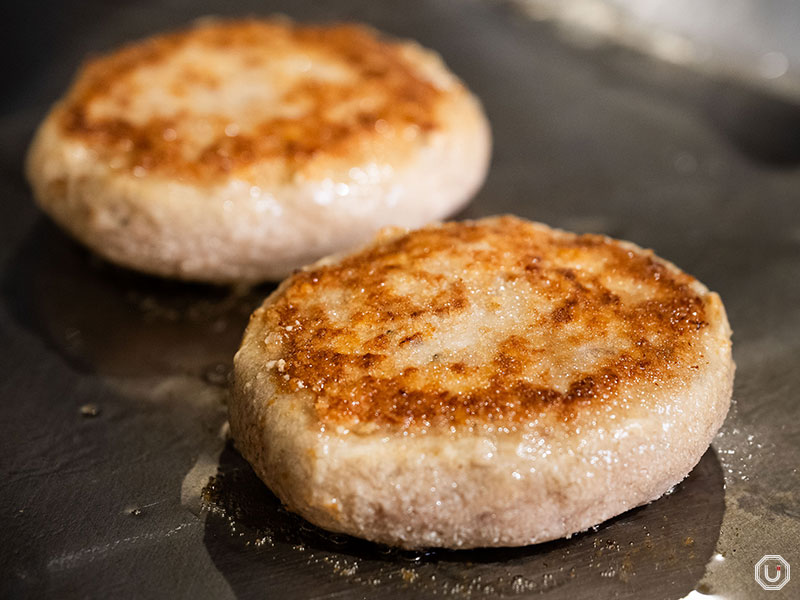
x,y
90,411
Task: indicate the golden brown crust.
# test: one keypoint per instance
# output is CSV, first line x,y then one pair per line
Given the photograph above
x,y
590,316
490,383
375,88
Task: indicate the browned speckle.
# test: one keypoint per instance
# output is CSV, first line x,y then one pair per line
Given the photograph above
x,y
391,90
351,365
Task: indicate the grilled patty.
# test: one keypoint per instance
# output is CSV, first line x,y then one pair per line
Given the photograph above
x,y
240,150
487,383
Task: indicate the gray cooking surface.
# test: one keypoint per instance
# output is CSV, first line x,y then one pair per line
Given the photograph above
x,y
113,384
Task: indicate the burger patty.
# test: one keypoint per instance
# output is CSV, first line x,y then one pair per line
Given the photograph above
x,y
487,383
240,150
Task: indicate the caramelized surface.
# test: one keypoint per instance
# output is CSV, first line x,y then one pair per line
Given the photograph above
x,y
494,321
225,95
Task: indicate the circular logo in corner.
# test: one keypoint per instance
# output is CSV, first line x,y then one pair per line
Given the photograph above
x,y
772,572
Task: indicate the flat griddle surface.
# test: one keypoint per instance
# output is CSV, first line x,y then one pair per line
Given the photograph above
x,y
113,384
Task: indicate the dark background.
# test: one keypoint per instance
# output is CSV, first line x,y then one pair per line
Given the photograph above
x,y
112,384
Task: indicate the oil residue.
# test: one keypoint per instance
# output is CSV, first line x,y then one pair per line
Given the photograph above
x,y
90,411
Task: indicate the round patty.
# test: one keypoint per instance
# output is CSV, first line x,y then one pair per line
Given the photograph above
x,y
487,383
240,150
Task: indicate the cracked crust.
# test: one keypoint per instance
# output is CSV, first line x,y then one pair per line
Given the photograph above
x,y
494,382
239,150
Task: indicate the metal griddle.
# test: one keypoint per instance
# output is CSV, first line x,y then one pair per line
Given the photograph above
x,y
113,384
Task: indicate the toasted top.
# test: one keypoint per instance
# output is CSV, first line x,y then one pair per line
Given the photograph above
x,y
224,96
495,321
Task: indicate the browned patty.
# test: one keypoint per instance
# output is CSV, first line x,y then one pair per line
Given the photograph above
x,y
241,150
488,383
